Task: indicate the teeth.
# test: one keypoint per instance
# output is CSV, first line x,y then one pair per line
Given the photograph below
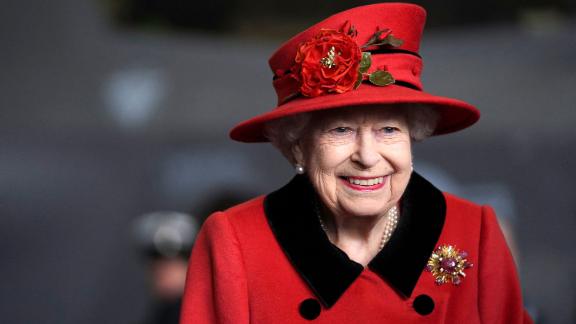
x,y
368,182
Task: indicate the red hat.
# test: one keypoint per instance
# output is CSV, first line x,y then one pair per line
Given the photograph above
x,y
363,56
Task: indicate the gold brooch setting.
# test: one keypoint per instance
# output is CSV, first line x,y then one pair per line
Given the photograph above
x,y
447,264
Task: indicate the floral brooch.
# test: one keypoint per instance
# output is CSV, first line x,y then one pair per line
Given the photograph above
x,y
447,264
332,62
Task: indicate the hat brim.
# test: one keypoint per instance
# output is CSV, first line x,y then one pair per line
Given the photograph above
x,y
454,114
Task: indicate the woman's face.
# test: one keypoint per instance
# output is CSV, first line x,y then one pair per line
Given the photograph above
x,y
359,160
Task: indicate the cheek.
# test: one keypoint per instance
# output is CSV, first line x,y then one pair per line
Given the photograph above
x,y
400,155
327,157
323,164
402,163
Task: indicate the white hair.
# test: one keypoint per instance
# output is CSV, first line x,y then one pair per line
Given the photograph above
x,y
285,132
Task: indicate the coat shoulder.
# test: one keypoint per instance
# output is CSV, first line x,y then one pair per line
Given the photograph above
x,y
242,218
462,215
459,201
249,207
461,205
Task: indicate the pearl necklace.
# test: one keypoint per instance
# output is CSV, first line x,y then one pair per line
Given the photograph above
x,y
389,227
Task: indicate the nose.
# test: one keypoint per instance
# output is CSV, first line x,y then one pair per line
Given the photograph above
x,y
366,152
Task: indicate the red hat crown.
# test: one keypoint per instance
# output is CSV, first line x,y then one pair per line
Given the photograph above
x,y
404,21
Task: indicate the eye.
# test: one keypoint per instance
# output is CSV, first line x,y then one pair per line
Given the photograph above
x,y
389,130
341,130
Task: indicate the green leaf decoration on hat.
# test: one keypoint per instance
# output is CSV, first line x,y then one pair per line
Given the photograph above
x,y
392,41
377,40
359,80
381,78
365,62
363,67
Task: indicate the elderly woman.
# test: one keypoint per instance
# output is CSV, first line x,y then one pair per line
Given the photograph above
x,y
357,236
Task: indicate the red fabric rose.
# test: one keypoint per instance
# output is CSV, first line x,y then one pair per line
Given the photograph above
x,y
327,63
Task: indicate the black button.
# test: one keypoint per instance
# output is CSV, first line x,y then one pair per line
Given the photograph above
x,y
310,309
423,304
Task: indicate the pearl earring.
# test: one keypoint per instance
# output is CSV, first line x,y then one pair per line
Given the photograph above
x,y
299,169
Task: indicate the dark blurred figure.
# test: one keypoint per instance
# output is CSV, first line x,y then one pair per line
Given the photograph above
x,y
165,239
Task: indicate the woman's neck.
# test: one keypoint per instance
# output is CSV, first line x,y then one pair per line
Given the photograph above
x,y
359,237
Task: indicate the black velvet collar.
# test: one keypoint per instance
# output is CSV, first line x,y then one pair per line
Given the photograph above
x,y
327,269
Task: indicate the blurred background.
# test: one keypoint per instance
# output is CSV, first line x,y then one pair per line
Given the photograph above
x,y
113,109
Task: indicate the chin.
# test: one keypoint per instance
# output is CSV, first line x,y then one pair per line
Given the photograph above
x,y
359,210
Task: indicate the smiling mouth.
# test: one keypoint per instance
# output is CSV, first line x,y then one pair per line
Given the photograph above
x,y
364,183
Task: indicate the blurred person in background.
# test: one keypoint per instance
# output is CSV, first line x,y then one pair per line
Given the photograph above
x,y
356,236
165,239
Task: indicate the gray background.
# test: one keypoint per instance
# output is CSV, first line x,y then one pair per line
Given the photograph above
x,y
99,124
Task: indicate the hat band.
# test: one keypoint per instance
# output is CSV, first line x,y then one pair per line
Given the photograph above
x,y
393,51
404,66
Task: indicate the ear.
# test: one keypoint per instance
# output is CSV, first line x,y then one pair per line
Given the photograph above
x,y
297,153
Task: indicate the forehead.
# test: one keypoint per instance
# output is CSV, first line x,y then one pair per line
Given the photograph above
x,y
360,114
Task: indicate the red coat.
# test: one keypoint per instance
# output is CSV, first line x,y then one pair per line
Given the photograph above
x,y
268,261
